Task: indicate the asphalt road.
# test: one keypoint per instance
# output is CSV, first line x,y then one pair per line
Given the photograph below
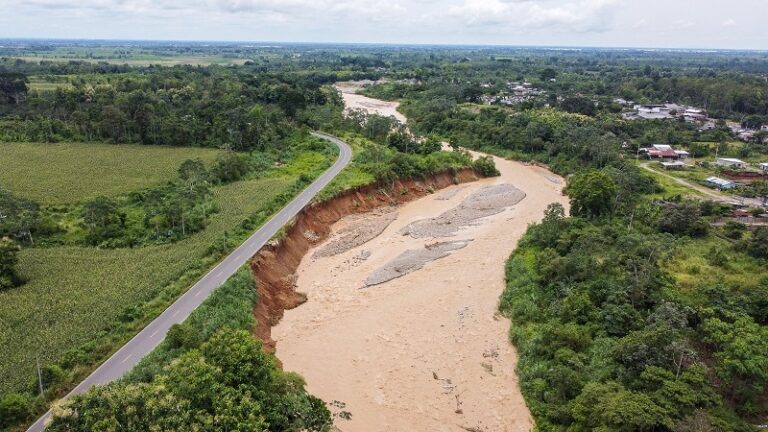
x,y
146,340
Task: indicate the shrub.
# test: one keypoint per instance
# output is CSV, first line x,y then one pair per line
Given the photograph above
x,y
8,260
14,408
734,230
183,336
486,167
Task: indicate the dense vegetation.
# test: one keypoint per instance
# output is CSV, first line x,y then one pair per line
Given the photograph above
x,y
635,313
610,340
209,374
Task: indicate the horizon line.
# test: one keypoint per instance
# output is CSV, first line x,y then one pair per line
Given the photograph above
x,y
381,44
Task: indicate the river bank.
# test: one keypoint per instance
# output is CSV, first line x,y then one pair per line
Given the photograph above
x,y
424,351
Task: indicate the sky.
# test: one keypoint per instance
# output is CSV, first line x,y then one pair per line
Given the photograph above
x,y
736,24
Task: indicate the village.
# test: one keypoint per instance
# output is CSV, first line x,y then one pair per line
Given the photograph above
x,y
738,185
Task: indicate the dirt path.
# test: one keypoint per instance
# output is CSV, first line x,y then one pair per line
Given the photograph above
x,y
425,351
709,193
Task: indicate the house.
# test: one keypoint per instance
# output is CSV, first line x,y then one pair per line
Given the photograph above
x,y
746,135
659,151
730,163
682,154
764,167
708,126
718,183
677,165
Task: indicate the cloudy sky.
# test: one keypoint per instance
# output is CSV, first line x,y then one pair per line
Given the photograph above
x,y
621,23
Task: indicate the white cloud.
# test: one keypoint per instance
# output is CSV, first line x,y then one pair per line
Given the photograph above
x,y
661,23
555,15
682,24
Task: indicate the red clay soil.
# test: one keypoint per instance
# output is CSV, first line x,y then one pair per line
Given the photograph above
x,y
274,266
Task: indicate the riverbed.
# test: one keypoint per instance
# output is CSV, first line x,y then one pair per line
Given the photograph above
x,y
426,350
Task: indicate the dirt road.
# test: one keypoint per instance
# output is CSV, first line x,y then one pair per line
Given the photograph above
x,y
706,192
425,351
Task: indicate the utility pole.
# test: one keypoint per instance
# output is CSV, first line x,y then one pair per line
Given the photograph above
x,y
39,374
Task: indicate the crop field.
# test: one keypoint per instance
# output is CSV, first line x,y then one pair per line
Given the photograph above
x,y
76,295
73,172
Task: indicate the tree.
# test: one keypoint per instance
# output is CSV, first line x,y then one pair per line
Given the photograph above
x,y
229,383
13,88
183,336
192,171
757,245
229,167
8,261
103,220
578,105
592,193
548,74
402,141
741,363
682,218
18,216
610,407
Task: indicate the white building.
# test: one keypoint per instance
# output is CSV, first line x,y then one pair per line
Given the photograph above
x,y
764,167
731,163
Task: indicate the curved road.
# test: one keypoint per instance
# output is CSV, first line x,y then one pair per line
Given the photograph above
x,y
146,340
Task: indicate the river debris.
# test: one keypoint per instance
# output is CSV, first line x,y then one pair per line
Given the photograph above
x,y
358,230
412,260
485,202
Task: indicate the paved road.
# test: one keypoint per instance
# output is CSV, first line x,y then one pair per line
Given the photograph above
x,y
131,353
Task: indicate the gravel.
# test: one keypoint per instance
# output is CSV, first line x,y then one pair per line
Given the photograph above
x,y
358,230
485,202
412,260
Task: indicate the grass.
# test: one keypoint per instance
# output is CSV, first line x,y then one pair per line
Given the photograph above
x,y
670,187
73,172
354,175
78,296
692,268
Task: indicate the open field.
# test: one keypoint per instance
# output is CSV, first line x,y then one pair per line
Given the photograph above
x,y
78,295
73,172
692,267
139,60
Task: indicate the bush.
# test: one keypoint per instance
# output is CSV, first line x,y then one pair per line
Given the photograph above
x,y
682,218
14,408
183,336
52,375
757,246
8,261
486,167
734,230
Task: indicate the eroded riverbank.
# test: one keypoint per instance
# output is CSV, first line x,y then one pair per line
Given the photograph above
x,y
425,351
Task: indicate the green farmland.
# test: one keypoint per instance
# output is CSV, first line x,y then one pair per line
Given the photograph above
x,y
73,172
75,294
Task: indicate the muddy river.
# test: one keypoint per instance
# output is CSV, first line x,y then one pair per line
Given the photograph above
x,y
401,331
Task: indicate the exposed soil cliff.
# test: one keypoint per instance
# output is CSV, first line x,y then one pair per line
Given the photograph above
x,y
274,267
